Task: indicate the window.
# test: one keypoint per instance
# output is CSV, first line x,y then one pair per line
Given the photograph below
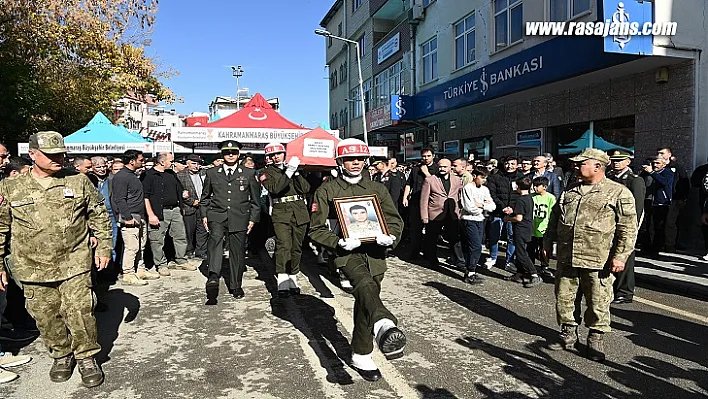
x,y
346,117
331,81
334,80
427,2
329,41
563,10
362,45
356,103
367,95
135,107
341,73
380,88
464,41
430,60
508,22
356,4
344,74
387,83
339,30
341,117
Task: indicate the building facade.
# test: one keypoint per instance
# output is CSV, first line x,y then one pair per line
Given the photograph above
x,y
479,85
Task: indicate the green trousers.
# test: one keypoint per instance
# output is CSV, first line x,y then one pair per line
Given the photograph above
x,y
572,284
288,246
63,311
368,308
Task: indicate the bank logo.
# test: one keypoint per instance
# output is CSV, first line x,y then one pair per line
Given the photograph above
x,y
483,82
621,17
400,111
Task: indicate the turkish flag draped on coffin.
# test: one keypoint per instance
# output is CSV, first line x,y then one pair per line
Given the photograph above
x,y
314,148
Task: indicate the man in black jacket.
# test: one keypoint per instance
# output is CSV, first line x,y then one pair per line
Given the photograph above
x,y
163,198
192,180
681,190
411,199
128,203
389,178
502,187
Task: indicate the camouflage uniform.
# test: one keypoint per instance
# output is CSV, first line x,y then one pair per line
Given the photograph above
x,y
591,227
48,233
364,229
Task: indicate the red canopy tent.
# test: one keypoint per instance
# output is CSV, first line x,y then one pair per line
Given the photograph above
x,y
257,113
314,148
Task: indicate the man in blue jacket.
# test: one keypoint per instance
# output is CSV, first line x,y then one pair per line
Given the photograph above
x,y
539,169
662,189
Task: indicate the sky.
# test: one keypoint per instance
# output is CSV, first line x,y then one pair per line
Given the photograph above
x,y
273,41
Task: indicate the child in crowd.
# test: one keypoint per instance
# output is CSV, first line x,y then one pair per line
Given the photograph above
x,y
522,219
543,202
475,201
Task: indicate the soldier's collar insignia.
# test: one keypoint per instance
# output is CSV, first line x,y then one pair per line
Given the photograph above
x,y
219,170
239,170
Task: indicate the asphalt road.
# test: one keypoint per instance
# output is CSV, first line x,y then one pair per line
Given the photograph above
x,y
161,341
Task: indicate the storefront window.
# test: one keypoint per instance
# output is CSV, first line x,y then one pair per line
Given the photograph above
x,y
605,135
480,147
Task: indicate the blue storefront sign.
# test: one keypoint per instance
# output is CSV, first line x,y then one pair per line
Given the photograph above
x,y
629,16
557,59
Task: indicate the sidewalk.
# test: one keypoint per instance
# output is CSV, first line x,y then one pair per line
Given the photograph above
x,y
678,272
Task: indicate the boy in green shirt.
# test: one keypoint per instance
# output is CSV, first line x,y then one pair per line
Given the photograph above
x,y
543,202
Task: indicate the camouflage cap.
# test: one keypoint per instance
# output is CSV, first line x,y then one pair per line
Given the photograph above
x,y
619,154
47,142
592,153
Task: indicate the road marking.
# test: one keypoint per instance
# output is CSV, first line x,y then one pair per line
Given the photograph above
x,y
702,319
395,379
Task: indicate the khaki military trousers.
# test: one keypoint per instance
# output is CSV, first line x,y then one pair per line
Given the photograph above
x,y
572,284
64,314
134,242
288,246
368,307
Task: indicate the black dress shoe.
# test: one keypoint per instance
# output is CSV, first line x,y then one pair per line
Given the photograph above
x,y
368,375
238,293
295,291
212,287
622,299
392,343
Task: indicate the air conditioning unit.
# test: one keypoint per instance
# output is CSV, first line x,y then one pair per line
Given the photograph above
x,y
416,13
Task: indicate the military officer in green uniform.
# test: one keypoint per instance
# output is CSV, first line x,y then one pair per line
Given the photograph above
x,y
290,215
595,225
364,264
622,174
230,203
45,217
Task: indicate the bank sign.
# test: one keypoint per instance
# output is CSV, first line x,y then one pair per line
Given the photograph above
x,y
629,12
557,59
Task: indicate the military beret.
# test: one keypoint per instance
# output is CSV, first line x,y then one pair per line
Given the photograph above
x,y
619,154
230,145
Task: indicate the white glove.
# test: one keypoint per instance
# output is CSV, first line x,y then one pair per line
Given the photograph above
x,y
384,240
292,166
349,244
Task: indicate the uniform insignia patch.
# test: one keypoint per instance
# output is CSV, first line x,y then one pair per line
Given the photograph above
x,y
68,193
314,207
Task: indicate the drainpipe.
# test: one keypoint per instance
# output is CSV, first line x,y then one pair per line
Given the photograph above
x,y
414,29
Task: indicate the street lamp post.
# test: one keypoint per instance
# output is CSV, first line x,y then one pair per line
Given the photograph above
x,y
237,72
326,33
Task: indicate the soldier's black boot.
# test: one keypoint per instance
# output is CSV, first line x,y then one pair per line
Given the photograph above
x,y
567,338
62,369
596,348
91,374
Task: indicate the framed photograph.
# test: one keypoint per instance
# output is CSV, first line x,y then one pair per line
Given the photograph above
x,y
361,217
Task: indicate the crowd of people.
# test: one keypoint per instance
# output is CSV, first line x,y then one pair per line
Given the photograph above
x,y
103,211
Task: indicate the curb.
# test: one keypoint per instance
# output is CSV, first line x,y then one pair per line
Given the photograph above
x,y
680,287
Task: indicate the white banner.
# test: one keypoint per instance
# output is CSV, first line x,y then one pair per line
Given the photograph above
x,y
217,135
96,148
317,148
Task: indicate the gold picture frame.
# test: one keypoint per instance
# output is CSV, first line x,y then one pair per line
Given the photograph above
x,y
361,217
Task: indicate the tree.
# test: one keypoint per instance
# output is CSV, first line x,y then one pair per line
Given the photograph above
x,y
61,61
